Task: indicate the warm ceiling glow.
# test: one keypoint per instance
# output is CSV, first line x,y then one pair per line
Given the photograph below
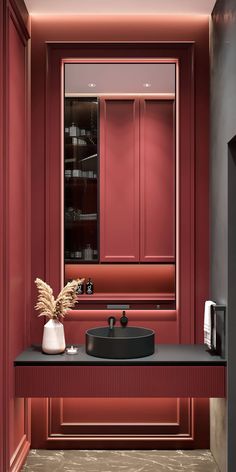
x,y
92,84
121,7
147,84
73,16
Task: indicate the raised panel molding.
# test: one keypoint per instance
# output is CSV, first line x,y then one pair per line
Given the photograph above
x,y
157,180
176,424
119,160
18,458
116,411
185,433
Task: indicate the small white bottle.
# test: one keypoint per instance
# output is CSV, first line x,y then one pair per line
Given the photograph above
x,y
72,130
88,253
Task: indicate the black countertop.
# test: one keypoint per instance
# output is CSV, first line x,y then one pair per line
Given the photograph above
x,y
165,354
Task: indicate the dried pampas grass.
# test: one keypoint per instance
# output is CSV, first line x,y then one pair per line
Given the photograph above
x,y
53,309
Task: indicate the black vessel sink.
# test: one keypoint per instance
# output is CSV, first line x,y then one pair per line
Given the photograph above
x,y
120,343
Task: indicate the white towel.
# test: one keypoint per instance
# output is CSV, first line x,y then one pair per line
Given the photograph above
x,y
209,327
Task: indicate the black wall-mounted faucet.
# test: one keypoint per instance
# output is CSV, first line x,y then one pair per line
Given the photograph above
x,y
111,321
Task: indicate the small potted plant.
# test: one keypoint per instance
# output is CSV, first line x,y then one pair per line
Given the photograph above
x,y
53,333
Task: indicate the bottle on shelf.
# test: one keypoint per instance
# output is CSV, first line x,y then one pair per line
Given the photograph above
x,y
80,288
88,253
68,173
78,254
75,173
81,142
89,287
73,131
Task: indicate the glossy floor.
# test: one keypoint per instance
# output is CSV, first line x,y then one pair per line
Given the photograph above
x,y
116,461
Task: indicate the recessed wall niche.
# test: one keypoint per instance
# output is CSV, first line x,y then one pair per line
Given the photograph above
x,y
120,180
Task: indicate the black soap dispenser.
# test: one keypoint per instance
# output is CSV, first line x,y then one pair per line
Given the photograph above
x,y
89,287
124,319
80,288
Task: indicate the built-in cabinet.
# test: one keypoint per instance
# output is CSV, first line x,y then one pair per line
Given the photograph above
x,y
119,194
137,206
137,180
81,180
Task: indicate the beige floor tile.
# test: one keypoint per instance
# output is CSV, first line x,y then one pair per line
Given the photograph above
x,y
120,461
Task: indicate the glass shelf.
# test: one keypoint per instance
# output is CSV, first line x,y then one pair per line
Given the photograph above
x,y
71,181
81,261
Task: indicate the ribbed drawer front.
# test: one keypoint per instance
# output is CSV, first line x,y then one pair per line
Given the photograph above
x,y
120,381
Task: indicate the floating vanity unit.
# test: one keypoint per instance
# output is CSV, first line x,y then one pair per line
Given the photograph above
x,y
172,371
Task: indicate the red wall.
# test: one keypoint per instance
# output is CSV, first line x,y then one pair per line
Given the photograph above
x,y
108,28
102,28
15,183
2,224
16,255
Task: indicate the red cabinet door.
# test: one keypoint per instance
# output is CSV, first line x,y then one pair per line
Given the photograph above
x,y
157,180
119,180
137,180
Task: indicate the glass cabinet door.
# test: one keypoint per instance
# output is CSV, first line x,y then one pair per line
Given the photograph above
x,y
81,180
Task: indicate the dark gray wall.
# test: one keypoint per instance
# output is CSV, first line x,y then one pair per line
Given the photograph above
x,y
223,190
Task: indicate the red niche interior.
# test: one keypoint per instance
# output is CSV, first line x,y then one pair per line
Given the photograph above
x,y
126,278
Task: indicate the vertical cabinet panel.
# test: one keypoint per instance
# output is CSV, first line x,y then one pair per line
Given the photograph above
x,y
137,180
119,180
157,181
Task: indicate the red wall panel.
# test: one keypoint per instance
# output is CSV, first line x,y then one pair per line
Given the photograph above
x,y
16,209
157,181
2,241
119,180
18,193
53,434
46,263
119,410
16,235
111,415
